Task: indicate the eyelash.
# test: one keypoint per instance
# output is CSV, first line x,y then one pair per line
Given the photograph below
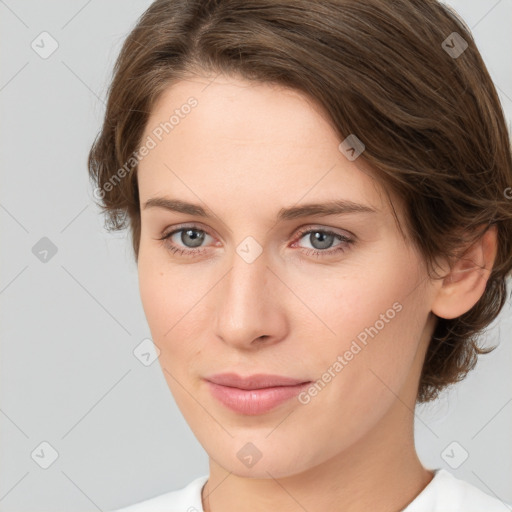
x,y
340,248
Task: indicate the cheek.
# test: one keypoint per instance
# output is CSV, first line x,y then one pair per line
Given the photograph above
x,y
157,303
172,320
377,352
162,299
375,314
173,304
359,298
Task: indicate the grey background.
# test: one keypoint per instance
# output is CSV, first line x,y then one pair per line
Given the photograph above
x,y
69,325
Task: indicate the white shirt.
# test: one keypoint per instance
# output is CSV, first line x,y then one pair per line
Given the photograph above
x,y
444,493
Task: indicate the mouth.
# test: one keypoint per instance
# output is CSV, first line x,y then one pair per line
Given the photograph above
x,y
255,394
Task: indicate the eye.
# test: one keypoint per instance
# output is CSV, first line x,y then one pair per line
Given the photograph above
x,y
188,241
190,236
322,241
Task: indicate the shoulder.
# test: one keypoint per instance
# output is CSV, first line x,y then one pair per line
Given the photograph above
x,y
447,493
187,499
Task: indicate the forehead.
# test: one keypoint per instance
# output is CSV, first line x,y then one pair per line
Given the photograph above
x,y
250,141
273,109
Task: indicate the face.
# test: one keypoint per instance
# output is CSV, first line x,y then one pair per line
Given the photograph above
x,y
258,286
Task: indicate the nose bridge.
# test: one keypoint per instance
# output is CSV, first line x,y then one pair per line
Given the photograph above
x,y
246,283
246,309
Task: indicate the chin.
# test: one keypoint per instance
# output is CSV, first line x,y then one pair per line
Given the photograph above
x,y
260,457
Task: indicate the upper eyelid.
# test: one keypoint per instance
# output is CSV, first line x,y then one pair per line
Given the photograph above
x,y
180,227
305,230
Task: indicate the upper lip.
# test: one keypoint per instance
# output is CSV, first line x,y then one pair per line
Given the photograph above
x,y
256,381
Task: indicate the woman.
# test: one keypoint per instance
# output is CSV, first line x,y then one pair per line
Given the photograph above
x,y
316,192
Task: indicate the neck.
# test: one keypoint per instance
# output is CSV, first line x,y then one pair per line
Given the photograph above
x,y
379,472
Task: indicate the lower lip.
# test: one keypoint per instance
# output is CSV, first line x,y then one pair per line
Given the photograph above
x,y
254,401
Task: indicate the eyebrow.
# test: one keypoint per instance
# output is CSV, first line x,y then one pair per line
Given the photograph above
x,y
335,207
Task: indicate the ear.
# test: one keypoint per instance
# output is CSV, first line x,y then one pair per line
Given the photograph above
x,y
465,282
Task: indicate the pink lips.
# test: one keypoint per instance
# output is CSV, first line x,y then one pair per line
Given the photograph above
x,y
255,394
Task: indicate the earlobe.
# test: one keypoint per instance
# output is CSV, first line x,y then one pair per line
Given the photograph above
x,y
465,282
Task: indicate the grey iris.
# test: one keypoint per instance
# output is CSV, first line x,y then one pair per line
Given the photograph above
x,y
196,240
325,239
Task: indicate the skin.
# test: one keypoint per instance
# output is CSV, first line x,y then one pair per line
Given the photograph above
x,y
246,151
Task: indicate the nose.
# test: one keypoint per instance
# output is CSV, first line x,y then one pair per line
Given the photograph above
x,y
250,308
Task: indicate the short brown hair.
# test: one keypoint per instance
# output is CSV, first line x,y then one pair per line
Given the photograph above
x,y
393,73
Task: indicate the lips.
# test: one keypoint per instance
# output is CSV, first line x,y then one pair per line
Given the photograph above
x,y
257,381
255,394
